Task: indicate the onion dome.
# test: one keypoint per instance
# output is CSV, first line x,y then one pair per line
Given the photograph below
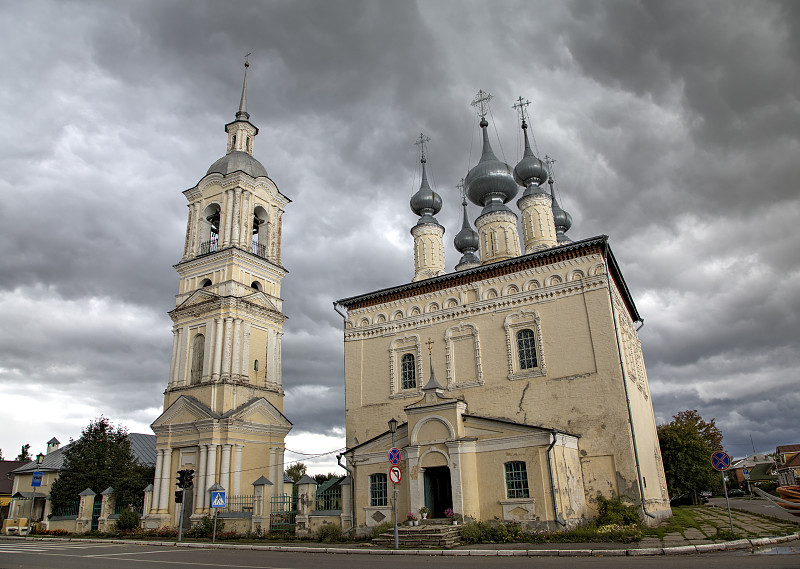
x,y
426,203
466,240
490,183
238,160
531,172
561,219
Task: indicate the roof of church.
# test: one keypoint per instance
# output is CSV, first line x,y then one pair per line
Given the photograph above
x,y
540,258
238,161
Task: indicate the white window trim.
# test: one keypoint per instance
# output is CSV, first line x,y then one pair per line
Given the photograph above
x,y
459,332
408,344
514,323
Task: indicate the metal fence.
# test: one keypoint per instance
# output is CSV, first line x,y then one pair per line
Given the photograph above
x,y
329,498
67,509
282,513
119,505
239,504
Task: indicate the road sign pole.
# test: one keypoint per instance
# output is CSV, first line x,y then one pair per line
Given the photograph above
x,y
214,535
180,518
396,534
727,503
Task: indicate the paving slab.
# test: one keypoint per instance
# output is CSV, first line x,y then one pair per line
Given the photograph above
x,y
647,551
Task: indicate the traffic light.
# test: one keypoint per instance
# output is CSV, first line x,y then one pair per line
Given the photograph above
x,y
189,477
178,496
180,479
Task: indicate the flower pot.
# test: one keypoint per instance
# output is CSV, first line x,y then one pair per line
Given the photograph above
x,y
425,516
410,523
455,522
416,522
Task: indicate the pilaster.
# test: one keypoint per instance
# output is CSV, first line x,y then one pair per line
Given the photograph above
x,y
499,239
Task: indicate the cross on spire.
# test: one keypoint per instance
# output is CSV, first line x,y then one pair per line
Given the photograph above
x,y
430,343
421,142
549,160
481,103
521,107
460,186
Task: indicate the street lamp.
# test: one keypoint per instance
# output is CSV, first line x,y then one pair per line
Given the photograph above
x,y
393,429
39,459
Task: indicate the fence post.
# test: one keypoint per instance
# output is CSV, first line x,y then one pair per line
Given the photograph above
x,y
259,507
306,498
84,521
107,508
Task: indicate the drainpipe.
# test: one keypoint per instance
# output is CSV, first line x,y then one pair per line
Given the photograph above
x,y
559,519
339,456
352,493
625,385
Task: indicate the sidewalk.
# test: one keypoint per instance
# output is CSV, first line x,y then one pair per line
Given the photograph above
x,y
756,531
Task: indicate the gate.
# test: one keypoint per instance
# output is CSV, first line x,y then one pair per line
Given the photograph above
x,y
96,509
282,512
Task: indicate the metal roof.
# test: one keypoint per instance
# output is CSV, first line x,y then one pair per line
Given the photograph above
x,y
490,270
236,161
143,448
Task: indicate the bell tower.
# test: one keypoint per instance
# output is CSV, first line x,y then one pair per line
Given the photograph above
x,y
223,405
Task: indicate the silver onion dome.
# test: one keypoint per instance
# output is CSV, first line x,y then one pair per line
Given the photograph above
x,y
531,172
426,203
466,240
561,219
238,160
490,183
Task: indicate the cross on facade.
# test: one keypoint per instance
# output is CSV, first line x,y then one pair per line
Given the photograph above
x,y
481,102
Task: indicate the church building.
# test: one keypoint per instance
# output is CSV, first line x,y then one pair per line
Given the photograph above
x,y
223,405
514,386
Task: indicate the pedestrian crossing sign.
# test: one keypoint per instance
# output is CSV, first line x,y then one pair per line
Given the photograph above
x,y
218,499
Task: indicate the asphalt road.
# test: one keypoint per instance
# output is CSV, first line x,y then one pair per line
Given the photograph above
x,y
72,555
757,505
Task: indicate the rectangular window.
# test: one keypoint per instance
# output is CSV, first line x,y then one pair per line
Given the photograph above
x,y
378,496
516,480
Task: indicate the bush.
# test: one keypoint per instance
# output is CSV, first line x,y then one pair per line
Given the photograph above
x,y
205,528
381,528
128,520
614,512
329,533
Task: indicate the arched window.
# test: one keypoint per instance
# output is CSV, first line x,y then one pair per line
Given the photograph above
x,y
256,285
198,348
209,229
205,283
526,348
408,372
260,232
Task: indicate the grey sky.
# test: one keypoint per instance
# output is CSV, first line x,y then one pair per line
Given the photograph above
x,y
675,126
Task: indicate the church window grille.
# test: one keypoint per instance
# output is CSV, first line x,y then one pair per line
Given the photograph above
x,y
526,349
378,495
198,348
408,372
516,480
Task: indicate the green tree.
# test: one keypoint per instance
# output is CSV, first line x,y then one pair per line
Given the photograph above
x,y
320,478
687,443
100,458
296,471
24,453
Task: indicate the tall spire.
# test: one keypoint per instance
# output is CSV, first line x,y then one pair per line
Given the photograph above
x,y
242,113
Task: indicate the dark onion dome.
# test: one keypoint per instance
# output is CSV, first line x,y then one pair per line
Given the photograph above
x,y
238,160
561,219
490,183
426,203
466,240
531,172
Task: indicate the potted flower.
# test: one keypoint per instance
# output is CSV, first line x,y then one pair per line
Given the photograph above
x,y
452,516
424,511
411,518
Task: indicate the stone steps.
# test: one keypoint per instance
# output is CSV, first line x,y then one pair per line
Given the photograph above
x,y
428,535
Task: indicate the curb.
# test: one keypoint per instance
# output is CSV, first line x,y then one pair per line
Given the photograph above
x,y
644,551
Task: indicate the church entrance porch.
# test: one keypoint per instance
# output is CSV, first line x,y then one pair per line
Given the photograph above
x,y
438,490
